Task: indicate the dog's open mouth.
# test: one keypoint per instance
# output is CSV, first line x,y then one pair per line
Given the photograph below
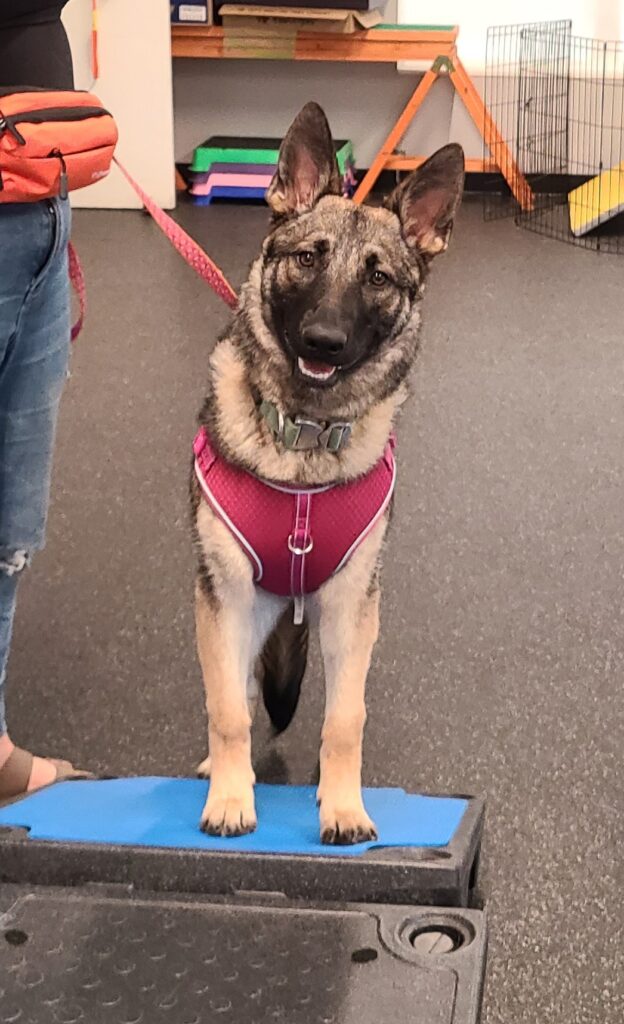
x,y
316,371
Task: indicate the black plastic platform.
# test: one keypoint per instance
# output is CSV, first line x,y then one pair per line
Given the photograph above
x,y
434,876
102,956
94,930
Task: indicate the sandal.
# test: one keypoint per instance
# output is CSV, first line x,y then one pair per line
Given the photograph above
x,y
16,770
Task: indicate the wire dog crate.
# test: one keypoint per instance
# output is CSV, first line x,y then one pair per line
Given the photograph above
x,y
558,102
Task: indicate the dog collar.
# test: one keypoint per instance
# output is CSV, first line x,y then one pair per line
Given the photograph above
x,y
302,434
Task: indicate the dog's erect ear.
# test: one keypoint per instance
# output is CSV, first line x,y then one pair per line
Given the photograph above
x,y
307,168
426,202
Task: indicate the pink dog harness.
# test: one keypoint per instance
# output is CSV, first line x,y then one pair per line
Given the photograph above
x,y
295,538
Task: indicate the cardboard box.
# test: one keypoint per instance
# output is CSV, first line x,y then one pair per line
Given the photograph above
x,y
195,12
286,20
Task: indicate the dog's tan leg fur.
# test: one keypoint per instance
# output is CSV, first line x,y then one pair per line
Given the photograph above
x,y
349,622
224,647
233,620
204,767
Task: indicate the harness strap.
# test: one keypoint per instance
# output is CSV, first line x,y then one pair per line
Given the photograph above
x,y
300,544
296,539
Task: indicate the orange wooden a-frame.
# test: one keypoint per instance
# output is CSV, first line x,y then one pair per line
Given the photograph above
x,y
501,157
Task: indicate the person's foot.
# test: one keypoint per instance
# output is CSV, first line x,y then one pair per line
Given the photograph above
x,y
21,772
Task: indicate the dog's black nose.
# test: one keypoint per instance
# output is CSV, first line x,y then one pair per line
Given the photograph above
x,y
322,341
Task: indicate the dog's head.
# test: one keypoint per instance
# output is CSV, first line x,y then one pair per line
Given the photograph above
x,y
339,284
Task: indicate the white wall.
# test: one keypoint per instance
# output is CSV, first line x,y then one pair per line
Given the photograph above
x,y
230,97
136,85
600,19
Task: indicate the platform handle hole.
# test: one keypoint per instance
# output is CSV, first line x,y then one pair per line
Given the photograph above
x,y
435,939
364,956
15,937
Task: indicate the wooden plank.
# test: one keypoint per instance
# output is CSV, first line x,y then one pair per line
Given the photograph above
x,y
187,41
412,34
376,45
365,47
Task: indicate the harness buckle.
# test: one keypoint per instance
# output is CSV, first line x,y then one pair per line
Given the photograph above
x,y
335,436
308,435
311,434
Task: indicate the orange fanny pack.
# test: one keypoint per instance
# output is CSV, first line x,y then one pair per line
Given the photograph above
x,y
52,142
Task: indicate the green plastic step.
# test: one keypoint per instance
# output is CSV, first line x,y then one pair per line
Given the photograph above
x,y
223,149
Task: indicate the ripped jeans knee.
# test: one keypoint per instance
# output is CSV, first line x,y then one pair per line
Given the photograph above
x,y
14,562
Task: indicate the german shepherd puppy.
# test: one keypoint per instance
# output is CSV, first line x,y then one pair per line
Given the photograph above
x,y
326,328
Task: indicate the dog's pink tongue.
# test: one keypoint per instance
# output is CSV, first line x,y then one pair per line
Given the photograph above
x,y
317,367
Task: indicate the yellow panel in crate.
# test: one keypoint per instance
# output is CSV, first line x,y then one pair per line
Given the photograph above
x,y
597,200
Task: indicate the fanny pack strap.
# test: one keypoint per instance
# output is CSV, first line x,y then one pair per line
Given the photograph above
x,y
190,251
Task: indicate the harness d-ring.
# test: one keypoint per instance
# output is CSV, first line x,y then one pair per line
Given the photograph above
x,y
299,551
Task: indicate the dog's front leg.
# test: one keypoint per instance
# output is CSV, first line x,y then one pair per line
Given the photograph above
x,y
224,643
349,608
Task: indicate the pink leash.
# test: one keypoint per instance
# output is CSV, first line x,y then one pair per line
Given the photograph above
x,y
76,277
191,252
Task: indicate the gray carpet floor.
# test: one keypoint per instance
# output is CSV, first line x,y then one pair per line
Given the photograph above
x,y
501,660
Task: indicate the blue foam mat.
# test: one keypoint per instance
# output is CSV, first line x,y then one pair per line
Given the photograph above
x,y
161,812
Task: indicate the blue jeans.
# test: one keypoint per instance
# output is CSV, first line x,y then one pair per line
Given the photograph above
x,y
34,354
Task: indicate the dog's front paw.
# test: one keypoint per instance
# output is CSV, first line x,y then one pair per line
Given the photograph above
x,y
344,825
229,814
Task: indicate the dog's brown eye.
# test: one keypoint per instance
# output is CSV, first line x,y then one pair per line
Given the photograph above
x,y
306,259
378,278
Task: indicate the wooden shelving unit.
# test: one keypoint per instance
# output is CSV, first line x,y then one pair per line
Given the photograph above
x,y
381,45
386,44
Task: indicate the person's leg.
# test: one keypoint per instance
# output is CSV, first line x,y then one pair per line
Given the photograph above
x,y
34,350
8,592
